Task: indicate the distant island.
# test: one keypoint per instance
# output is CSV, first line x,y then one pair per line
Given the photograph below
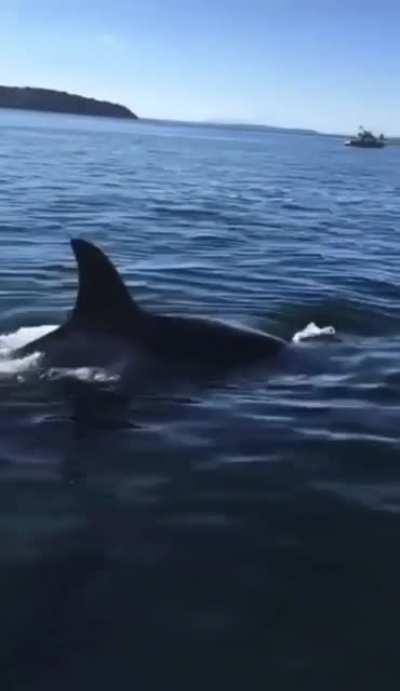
x,y
29,98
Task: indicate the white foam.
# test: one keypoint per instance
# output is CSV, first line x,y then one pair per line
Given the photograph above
x,y
97,375
22,336
314,331
11,366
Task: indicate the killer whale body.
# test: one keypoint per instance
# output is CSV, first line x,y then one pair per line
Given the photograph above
x,y
105,310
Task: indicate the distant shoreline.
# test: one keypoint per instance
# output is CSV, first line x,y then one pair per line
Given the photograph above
x,y
82,105
272,129
52,101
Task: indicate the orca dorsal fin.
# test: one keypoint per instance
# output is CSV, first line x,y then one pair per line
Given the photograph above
x,y
103,299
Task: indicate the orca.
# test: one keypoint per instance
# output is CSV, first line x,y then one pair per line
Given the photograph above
x,y
106,320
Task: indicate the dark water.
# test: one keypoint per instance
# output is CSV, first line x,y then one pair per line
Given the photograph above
x,y
243,533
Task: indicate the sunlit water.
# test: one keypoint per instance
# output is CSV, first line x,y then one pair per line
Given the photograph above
x,y
194,534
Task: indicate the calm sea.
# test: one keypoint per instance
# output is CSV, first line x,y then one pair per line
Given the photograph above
x,y
237,535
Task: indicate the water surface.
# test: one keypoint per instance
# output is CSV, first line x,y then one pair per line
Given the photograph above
x,y
238,533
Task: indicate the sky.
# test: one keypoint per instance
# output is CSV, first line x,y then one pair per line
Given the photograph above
x,y
319,64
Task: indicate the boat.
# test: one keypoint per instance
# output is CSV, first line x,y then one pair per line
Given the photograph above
x,y
366,140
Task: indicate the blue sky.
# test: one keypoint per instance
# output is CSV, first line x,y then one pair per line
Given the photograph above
x,y
324,64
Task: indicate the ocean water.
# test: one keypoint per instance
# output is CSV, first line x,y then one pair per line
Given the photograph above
x,y
240,533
